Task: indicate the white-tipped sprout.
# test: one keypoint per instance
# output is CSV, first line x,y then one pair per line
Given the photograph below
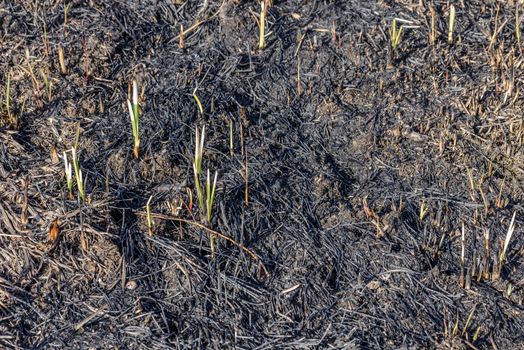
x,y
134,114
68,174
78,174
199,149
210,195
149,219
511,228
197,164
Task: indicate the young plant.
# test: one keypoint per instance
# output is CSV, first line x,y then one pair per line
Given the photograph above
x,y
395,34
47,84
68,175
199,104
78,175
209,189
134,113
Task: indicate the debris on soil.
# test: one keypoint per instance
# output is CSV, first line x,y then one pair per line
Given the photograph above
x,y
365,193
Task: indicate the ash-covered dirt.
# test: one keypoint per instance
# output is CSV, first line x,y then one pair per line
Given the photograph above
x,y
339,211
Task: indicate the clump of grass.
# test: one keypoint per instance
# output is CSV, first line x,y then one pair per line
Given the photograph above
x,y
134,114
485,267
206,209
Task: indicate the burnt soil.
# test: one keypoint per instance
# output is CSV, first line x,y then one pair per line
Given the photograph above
x,y
359,185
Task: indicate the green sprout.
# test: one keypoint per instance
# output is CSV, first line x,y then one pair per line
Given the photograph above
x,y
134,114
197,100
206,211
395,34
78,175
210,195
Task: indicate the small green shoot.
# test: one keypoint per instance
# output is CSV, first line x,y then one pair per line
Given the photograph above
x,y
199,104
210,196
394,34
468,321
78,174
134,114
477,333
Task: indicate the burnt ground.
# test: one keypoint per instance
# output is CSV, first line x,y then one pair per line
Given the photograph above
x,y
359,187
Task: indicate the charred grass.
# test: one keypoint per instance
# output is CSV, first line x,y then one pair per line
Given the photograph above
x,y
368,176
